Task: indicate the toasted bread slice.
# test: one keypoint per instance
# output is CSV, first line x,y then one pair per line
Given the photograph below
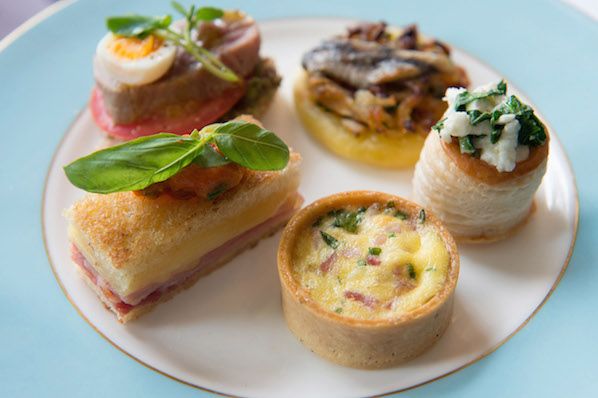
x,y
134,246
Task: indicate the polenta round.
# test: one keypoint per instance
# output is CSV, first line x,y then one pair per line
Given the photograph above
x,y
391,150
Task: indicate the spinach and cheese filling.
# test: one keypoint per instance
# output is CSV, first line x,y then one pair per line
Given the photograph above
x,y
491,125
374,262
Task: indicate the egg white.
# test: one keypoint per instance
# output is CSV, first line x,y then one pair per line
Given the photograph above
x,y
135,72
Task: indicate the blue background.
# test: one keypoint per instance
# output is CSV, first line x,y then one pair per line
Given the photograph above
x,y
545,48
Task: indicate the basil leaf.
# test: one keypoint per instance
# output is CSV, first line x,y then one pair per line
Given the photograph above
x,y
329,239
179,7
209,157
133,165
466,97
251,146
208,13
466,145
137,25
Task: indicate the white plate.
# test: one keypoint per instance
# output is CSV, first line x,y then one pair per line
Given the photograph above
x,y
227,333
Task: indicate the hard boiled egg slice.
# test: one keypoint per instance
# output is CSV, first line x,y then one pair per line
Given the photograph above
x,y
135,61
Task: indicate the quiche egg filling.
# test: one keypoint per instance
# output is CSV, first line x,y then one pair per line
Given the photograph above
x,y
373,262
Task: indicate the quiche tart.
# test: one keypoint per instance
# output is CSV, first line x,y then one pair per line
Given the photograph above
x,y
367,278
481,168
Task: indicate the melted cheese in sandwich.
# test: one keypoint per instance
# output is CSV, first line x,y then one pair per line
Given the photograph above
x,y
371,263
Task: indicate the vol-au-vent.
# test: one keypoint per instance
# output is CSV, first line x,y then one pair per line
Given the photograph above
x,y
367,278
482,164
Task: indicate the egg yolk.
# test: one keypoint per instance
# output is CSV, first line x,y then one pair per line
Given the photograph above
x,y
134,48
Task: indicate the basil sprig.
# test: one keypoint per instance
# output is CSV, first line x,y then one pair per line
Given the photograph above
x,y
141,26
137,164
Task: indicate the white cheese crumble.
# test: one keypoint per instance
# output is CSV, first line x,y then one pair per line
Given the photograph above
x,y
506,152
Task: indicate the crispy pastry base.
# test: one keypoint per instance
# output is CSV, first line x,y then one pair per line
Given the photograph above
x,y
475,202
367,344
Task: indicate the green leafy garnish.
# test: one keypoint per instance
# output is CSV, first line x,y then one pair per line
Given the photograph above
x,y
476,116
348,220
137,164
532,131
411,271
466,97
251,146
374,251
392,235
141,26
439,125
210,157
208,14
495,134
133,165
466,145
400,215
338,310
361,262
421,217
329,239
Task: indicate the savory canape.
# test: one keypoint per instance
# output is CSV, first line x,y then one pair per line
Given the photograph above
x,y
367,278
168,209
373,94
155,75
480,172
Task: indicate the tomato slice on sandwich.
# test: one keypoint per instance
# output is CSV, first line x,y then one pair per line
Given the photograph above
x,y
206,113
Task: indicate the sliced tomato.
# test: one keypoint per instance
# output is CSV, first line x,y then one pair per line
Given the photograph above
x,y
207,113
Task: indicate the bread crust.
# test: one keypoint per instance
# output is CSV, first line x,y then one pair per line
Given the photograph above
x,y
363,343
476,202
143,309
